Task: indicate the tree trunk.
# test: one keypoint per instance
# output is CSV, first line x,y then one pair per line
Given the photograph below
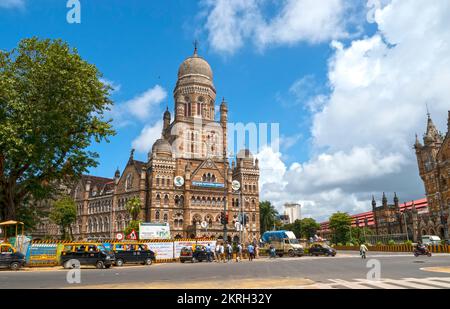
x,y
10,207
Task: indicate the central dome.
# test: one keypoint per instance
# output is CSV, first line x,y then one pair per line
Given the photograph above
x,y
195,65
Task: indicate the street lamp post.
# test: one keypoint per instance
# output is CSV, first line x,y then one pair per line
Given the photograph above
x,y
406,226
441,214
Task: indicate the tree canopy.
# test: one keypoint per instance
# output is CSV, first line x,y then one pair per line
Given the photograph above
x,y
340,225
64,213
304,228
268,216
52,105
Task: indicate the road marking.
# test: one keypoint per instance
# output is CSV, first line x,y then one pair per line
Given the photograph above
x,y
412,283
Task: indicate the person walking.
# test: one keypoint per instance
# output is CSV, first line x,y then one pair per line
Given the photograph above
x,y
208,253
217,251
239,253
362,250
222,253
229,252
251,252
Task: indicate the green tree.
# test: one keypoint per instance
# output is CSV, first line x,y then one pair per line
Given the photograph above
x,y
340,225
268,216
52,106
304,228
64,213
133,207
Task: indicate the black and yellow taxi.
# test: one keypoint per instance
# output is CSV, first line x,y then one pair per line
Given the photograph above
x,y
194,253
10,257
133,253
317,249
77,254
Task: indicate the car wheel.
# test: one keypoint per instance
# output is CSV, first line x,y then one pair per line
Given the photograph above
x,y
119,262
280,254
99,265
148,261
291,253
429,254
194,260
14,266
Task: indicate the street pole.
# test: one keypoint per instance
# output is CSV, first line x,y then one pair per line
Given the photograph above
x,y
406,226
241,217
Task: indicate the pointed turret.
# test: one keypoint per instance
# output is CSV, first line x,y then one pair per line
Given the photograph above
x,y
374,203
117,176
432,135
384,200
417,144
166,119
396,200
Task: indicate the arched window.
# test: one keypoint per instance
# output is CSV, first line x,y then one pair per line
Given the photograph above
x,y
165,217
253,217
158,199
166,200
157,215
157,180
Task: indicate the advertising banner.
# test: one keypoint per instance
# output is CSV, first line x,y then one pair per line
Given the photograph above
x,y
154,231
163,250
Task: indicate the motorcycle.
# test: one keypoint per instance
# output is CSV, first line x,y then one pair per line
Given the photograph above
x,y
422,251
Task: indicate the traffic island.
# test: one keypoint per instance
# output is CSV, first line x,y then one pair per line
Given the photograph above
x,y
236,283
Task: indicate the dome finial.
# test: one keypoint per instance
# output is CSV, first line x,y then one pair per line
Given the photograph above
x,y
195,48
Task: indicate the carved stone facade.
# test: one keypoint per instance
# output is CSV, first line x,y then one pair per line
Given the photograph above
x,y
433,158
192,146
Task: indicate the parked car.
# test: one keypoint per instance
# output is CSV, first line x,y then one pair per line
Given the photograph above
x,y
77,254
128,253
321,249
196,253
10,257
431,240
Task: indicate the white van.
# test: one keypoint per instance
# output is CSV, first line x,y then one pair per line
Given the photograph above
x,y
431,240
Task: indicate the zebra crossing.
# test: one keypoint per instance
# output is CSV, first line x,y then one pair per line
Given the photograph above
x,y
404,283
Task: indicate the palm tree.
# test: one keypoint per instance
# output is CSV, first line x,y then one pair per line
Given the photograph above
x,y
134,207
268,215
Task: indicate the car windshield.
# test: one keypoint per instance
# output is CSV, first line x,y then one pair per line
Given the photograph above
x,y
326,246
294,241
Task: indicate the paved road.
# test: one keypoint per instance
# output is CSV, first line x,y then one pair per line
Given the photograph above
x,y
347,270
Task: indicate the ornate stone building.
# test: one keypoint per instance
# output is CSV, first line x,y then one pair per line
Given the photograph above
x,y
187,177
422,217
433,158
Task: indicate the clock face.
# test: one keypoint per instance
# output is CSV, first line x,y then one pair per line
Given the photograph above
x,y
235,185
178,181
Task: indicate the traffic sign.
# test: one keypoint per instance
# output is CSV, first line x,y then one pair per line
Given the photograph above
x,y
238,226
235,185
132,235
120,236
178,181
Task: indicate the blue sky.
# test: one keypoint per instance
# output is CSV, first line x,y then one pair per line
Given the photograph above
x,y
272,65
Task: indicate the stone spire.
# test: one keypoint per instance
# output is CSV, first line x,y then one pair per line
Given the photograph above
x,y
384,200
374,203
432,135
417,144
396,200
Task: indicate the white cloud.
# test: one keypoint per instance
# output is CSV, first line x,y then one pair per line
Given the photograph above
x,y
9,4
148,135
141,108
230,22
143,105
363,132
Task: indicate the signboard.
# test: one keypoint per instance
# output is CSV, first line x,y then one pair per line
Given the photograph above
x,y
208,184
163,250
154,231
178,181
235,185
132,235
119,236
238,226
